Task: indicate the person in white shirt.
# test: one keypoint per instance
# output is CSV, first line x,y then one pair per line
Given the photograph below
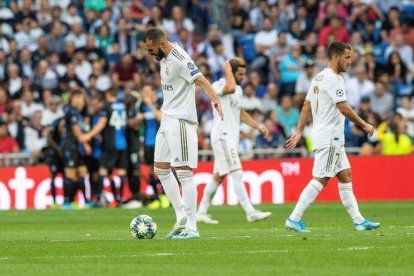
x,y
52,112
29,106
326,102
176,141
225,140
358,87
77,35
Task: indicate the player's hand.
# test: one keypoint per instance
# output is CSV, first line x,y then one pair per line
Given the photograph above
x,y
263,130
217,106
293,140
85,138
369,129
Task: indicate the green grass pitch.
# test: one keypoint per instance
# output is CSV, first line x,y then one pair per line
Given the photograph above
x,y
97,241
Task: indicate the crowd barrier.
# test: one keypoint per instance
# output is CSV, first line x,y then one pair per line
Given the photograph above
x,y
375,178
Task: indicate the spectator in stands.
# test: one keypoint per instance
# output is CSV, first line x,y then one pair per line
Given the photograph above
x,y
29,106
26,64
41,52
336,29
4,100
76,35
250,102
372,146
3,66
310,45
291,66
303,83
105,19
103,80
93,52
16,123
407,112
36,136
396,68
44,77
396,141
359,86
125,71
55,65
264,41
71,16
125,37
288,115
15,81
276,139
56,40
269,101
404,50
185,41
7,143
52,112
4,42
27,85
357,136
178,20
256,80
382,102
258,14
83,67
217,59
22,37
104,39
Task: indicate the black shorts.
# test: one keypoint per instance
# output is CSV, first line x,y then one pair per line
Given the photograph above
x,y
92,164
72,157
54,161
149,155
133,161
114,159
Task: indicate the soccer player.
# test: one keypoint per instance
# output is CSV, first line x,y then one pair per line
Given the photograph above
x,y
225,140
112,123
176,140
74,149
326,101
149,114
54,155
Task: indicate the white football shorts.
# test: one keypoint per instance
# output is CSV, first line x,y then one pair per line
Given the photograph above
x,y
176,142
329,161
226,157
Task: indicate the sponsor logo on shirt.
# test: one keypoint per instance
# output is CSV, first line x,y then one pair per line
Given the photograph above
x,y
167,87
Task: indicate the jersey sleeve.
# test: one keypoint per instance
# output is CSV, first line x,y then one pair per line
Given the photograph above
x,y
218,87
105,112
189,71
336,91
73,117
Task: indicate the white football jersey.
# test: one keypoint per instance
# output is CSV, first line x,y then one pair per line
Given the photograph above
x,y
178,73
326,90
229,127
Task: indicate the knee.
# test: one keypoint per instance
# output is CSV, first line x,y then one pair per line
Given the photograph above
x,y
161,173
181,174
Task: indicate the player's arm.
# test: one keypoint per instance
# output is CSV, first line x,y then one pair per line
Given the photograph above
x,y
303,118
150,103
349,113
205,84
247,119
100,125
230,86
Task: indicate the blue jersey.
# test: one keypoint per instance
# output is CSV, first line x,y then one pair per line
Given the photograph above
x,y
151,124
114,133
97,140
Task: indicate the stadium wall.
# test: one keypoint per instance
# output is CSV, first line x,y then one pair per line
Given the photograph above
x,y
376,178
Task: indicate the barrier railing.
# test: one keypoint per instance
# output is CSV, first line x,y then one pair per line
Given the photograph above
x,y
24,159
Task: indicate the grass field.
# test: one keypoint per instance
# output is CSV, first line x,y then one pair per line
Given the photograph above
x,y
98,241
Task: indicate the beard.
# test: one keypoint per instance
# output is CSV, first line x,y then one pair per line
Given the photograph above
x,y
160,55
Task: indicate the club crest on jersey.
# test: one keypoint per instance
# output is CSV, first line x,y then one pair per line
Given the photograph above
x,y
339,92
190,66
167,71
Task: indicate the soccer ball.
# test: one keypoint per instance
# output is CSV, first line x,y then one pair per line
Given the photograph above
x,y
143,227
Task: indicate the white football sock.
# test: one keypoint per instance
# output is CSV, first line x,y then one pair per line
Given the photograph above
x,y
349,201
307,197
209,192
241,192
172,190
189,197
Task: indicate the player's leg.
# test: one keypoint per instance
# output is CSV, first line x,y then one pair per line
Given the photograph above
x,y
122,165
322,172
134,181
162,169
69,181
347,195
185,158
209,191
82,173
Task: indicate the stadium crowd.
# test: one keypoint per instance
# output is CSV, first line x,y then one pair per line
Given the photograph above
x,y
49,48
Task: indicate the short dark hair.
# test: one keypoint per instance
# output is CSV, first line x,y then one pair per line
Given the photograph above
x,y
154,34
337,48
237,62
